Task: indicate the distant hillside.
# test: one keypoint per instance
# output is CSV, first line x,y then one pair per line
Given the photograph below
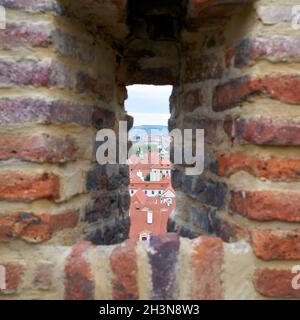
x,y
148,128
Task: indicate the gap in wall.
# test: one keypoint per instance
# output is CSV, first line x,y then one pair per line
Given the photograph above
x,y
152,196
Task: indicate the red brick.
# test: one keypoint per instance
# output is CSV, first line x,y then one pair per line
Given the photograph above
x,y
14,272
124,268
42,148
267,205
276,169
35,227
285,88
43,275
79,283
206,268
276,244
275,283
232,93
268,132
28,187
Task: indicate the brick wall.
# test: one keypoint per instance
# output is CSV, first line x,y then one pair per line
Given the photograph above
x,y
58,87
63,70
241,84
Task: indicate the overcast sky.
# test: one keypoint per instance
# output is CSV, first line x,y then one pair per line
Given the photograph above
x,y
149,105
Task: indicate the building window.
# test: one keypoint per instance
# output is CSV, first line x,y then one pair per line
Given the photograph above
x,y
146,192
149,217
152,192
144,237
159,192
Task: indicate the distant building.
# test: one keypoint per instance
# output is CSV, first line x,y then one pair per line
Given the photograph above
x,y
149,215
152,196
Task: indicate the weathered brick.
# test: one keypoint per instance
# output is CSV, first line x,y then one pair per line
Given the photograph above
x,y
28,187
107,13
108,177
227,231
209,126
72,46
124,268
33,5
19,35
207,191
206,267
79,283
275,283
177,178
200,218
199,10
268,132
103,119
46,112
275,49
102,87
273,14
104,205
44,274
15,36
233,93
267,205
273,168
37,148
33,227
28,72
163,260
111,234
276,244
14,272
204,68
193,99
